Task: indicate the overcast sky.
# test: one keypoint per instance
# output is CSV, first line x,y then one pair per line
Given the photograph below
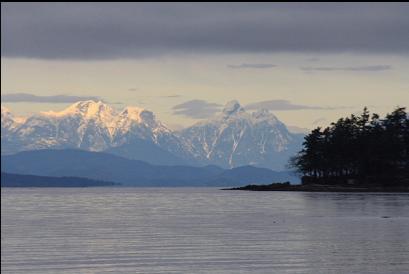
x,y
305,62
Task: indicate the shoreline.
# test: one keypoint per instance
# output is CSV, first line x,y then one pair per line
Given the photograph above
x,y
319,188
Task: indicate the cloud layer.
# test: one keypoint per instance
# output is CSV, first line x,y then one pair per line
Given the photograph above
x,y
252,66
280,105
31,98
200,109
129,30
196,109
373,68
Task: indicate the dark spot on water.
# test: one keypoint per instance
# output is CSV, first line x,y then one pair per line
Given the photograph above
x,y
385,216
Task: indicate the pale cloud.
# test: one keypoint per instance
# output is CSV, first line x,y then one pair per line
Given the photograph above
x,y
252,66
196,109
281,105
373,68
31,98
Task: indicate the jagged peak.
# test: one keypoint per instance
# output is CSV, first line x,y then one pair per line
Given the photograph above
x,y
234,111
8,119
261,112
102,112
5,110
87,103
7,116
88,109
147,115
132,110
132,113
232,107
138,114
264,114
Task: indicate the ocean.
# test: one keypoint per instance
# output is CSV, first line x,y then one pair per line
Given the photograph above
x,y
201,230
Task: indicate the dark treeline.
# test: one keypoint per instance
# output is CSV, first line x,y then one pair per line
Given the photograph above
x,y
363,149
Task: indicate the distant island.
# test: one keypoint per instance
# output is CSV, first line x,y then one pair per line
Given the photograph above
x,y
18,180
355,154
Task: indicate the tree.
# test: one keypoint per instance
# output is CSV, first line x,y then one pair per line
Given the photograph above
x,y
365,148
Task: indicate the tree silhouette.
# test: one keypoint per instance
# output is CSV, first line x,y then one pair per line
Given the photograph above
x,y
360,149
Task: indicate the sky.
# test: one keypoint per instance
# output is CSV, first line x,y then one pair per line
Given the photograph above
x,y
308,63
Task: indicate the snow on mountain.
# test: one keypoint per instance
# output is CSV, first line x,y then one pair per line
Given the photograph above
x,y
7,120
233,138
86,125
236,137
136,123
8,124
93,126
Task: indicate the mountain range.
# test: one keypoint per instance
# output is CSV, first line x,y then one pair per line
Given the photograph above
x,y
233,138
93,126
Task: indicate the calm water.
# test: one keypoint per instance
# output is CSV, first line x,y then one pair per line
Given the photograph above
x,y
182,230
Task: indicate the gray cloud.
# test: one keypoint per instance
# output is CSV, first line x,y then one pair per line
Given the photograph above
x,y
357,68
127,30
251,66
197,109
26,97
280,105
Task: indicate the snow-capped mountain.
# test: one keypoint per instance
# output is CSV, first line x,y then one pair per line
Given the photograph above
x,y
8,124
134,124
94,126
7,121
236,137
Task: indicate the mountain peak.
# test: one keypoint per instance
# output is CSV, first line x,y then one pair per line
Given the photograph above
x,y
90,107
237,138
87,103
133,113
264,114
261,112
232,107
5,110
87,109
8,120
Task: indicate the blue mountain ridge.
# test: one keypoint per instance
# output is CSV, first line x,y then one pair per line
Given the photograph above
x,y
107,167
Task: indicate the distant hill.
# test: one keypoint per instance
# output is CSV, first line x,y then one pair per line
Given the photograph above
x,y
18,180
107,167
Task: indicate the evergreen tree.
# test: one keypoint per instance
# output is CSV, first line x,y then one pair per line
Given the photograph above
x,y
364,148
